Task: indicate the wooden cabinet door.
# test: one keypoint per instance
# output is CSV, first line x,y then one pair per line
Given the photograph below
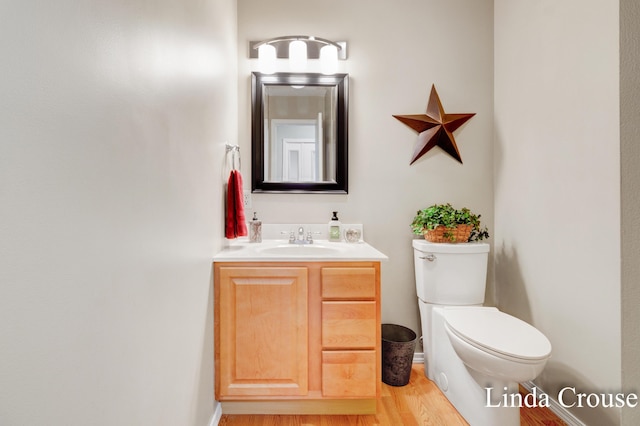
x,y
263,331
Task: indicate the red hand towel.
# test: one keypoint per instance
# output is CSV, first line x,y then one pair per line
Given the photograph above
x,y
235,225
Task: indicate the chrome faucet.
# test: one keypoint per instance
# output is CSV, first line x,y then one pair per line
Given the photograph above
x,y
301,238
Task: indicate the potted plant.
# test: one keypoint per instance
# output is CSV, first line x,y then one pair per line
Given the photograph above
x,y
441,223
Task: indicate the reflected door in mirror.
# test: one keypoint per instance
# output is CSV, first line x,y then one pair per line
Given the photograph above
x,y
295,151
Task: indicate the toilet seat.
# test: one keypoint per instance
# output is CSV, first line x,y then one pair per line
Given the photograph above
x,y
500,334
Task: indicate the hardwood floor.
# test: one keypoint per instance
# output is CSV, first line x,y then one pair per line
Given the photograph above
x,y
419,403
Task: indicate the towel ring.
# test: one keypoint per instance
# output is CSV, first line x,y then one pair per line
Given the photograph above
x,y
234,149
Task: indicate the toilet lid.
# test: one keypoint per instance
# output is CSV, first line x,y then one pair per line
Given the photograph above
x,y
498,332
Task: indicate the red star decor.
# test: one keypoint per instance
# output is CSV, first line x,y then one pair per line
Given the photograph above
x,y
435,128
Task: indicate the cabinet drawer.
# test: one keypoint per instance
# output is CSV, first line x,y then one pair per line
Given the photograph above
x,y
348,283
349,373
349,324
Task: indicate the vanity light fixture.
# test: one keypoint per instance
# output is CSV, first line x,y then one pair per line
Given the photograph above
x,y
298,49
329,59
297,55
267,58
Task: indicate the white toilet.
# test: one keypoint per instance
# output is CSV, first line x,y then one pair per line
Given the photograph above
x,y
476,355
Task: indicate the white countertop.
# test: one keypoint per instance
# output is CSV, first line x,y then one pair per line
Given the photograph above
x,y
280,250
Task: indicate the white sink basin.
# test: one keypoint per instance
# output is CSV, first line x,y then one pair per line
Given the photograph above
x,y
282,250
302,250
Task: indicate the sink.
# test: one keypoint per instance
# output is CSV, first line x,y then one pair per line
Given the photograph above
x,y
301,250
280,250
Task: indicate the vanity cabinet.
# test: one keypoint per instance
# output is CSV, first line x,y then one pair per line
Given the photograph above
x,y
297,337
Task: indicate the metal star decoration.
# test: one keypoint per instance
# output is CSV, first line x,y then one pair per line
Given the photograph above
x,y
435,128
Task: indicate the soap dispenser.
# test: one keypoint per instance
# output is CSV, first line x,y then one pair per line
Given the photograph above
x,y
334,228
255,230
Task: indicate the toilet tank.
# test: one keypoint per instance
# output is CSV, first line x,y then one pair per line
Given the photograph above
x,y
450,274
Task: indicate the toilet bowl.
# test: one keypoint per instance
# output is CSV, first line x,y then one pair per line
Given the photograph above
x,y
472,351
496,344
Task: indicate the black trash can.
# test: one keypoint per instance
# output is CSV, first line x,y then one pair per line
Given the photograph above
x,y
398,346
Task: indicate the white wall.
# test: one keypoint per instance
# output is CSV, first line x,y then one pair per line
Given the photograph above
x,y
557,185
395,54
113,117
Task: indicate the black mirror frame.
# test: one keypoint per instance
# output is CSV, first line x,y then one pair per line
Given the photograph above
x,y
258,81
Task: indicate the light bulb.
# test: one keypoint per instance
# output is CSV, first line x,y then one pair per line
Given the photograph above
x,y
298,55
267,58
329,59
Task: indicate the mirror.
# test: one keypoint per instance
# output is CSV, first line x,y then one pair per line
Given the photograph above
x,y
299,132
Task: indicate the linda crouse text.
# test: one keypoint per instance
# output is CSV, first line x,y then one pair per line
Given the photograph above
x,y
567,397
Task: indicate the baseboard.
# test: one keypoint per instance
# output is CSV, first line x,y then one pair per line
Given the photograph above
x,y
556,408
217,415
418,358
302,407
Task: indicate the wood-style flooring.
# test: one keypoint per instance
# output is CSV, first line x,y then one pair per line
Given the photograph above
x,y
419,403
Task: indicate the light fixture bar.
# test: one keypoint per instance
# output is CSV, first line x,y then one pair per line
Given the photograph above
x,y
314,44
298,37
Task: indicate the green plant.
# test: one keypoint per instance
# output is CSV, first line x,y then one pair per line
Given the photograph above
x,y
449,217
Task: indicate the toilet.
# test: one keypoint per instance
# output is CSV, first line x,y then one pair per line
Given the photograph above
x,y
475,354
